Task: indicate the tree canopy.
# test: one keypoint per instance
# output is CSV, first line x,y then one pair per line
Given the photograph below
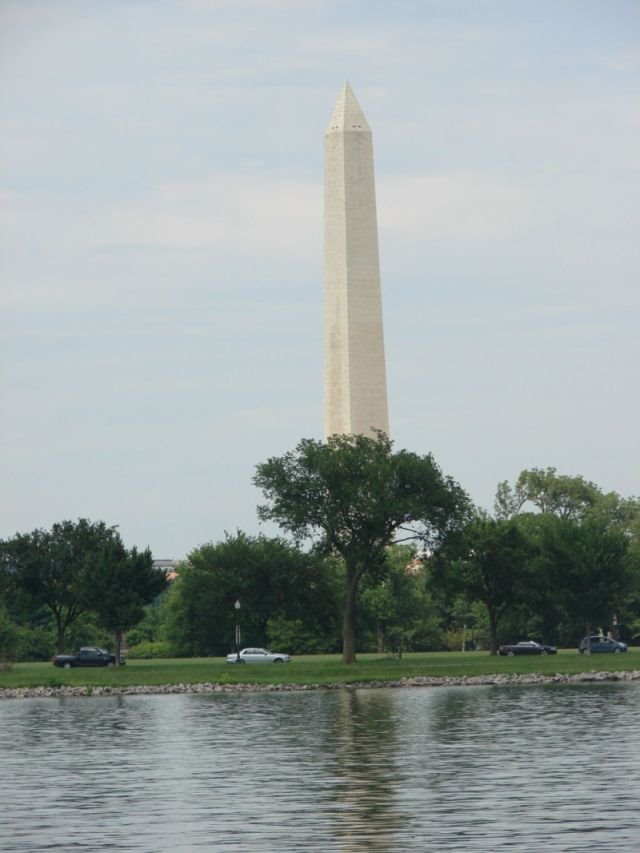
x,y
284,595
122,583
549,492
55,567
590,566
489,563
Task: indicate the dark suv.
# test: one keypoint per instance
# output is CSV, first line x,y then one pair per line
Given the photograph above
x,y
601,644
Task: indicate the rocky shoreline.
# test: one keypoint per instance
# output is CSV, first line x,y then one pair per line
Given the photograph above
x,y
415,681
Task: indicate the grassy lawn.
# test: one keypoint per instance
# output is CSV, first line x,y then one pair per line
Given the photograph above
x,y
314,669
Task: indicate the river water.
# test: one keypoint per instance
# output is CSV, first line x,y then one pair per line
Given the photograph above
x,y
552,767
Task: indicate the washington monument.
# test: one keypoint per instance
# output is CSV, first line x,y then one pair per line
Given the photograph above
x,y
355,386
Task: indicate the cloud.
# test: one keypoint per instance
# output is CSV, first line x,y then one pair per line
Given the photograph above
x,y
223,227
450,207
271,217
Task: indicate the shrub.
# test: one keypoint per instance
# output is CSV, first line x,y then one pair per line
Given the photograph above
x,y
35,643
291,635
149,650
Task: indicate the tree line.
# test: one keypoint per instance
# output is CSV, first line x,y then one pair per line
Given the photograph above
x,y
383,552
77,572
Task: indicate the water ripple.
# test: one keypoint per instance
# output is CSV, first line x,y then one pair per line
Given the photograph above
x,y
459,769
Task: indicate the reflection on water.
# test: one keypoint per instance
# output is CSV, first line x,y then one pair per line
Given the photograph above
x,y
535,769
468,769
362,737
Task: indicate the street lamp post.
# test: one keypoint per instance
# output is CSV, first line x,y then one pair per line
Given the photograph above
x,y
237,607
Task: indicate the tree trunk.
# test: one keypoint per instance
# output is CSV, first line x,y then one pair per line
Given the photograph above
x,y
63,618
493,632
349,623
59,634
380,635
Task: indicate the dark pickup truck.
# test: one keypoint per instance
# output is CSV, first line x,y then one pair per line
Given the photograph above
x,y
87,656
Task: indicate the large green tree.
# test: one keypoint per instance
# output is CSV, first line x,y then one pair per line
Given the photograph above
x,y
122,583
284,593
352,495
396,611
538,499
549,492
54,567
592,569
489,562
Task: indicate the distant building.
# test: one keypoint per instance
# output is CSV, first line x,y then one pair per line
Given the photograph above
x,y
415,567
169,567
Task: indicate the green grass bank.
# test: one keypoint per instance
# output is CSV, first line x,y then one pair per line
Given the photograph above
x,y
315,669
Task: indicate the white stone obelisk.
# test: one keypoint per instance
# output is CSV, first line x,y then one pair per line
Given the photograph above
x,y
355,386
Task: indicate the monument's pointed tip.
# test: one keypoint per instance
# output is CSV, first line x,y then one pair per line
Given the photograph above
x,y
347,113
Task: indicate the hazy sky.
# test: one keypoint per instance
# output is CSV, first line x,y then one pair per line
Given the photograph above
x,y
162,260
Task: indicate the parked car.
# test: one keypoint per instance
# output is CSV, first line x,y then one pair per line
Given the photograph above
x,y
87,656
527,647
601,644
258,656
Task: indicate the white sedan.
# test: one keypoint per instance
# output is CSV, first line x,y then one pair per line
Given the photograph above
x,y
258,656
